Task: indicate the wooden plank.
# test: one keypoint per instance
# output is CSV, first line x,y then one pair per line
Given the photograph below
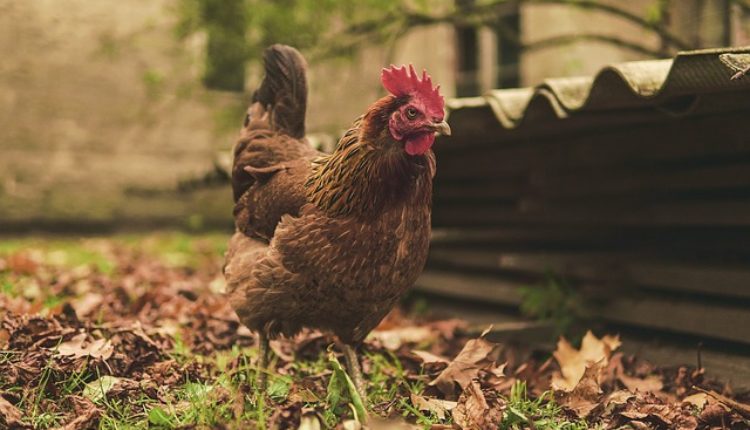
x,y
689,243
697,213
679,316
626,269
723,281
469,287
536,334
536,265
482,189
598,183
706,320
503,234
704,139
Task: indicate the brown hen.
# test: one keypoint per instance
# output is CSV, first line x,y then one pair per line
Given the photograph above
x,y
330,241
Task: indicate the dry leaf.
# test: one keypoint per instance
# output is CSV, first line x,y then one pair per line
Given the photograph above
x,y
573,362
394,338
465,367
99,348
4,338
474,412
10,415
87,303
496,376
22,263
585,395
437,406
698,400
87,415
98,389
652,416
649,384
619,397
429,358
714,413
734,405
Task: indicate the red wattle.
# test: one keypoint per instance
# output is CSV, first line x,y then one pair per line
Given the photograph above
x,y
419,144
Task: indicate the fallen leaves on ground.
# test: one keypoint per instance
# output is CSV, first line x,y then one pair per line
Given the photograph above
x,y
144,339
441,408
474,411
10,416
573,362
473,358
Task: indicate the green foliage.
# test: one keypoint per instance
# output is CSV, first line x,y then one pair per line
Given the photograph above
x,y
230,117
159,417
279,387
555,302
242,29
381,387
341,383
239,30
541,413
94,390
109,47
656,11
153,81
422,418
225,22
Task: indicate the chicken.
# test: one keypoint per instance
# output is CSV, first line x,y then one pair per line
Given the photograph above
x,y
330,241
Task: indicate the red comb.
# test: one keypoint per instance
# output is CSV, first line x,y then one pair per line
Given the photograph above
x,y
401,81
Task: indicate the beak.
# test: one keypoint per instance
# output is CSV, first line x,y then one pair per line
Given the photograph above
x,y
442,128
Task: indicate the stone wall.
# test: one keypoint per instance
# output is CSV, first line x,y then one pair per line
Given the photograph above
x,y
102,114
95,98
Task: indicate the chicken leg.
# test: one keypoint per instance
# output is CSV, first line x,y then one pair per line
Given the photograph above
x,y
355,370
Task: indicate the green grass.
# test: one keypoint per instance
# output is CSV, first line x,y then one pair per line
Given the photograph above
x,y
541,413
67,253
214,402
81,256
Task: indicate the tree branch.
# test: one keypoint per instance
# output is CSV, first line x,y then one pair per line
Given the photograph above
x,y
487,14
403,19
624,14
612,40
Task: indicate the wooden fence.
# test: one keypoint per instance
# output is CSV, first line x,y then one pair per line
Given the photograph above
x,y
645,212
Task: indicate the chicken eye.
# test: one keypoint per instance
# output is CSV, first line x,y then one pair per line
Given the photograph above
x,y
411,113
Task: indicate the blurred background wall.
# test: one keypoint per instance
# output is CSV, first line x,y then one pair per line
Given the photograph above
x,y
105,111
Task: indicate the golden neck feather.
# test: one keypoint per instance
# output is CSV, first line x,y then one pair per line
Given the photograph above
x,y
368,172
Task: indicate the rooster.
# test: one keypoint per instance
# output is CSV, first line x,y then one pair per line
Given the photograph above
x,y
330,241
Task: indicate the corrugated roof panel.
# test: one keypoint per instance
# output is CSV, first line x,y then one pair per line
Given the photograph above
x,y
672,87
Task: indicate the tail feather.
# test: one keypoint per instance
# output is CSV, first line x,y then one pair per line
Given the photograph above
x,y
283,92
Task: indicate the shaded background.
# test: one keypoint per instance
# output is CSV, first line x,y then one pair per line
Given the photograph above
x,y
116,114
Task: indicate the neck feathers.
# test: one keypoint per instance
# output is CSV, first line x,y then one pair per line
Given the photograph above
x,y
369,172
